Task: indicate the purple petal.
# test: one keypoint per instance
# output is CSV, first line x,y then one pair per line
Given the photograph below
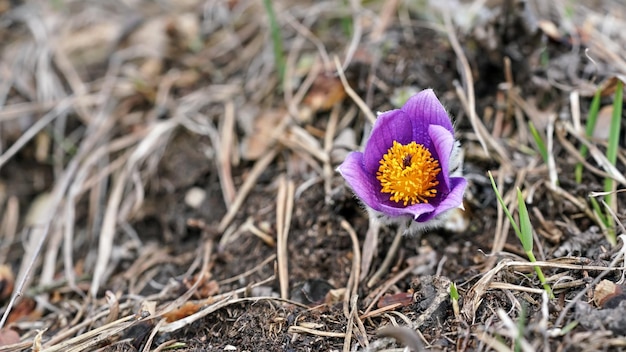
x,y
453,200
442,144
414,210
364,184
367,188
390,126
425,110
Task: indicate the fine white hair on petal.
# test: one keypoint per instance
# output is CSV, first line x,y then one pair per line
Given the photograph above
x,y
456,160
413,228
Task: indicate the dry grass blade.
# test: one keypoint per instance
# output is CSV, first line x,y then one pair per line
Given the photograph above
x,y
59,110
158,134
474,296
92,338
355,97
256,171
226,151
284,212
173,226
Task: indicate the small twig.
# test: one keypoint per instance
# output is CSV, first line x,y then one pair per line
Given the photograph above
x,y
353,281
355,97
256,171
225,153
284,212
355,6
391,253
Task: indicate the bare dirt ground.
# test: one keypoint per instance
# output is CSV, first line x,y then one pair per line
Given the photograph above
x,y
167,176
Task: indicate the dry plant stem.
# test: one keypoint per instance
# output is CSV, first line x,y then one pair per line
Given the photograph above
x,y
204,272
355,97
574,100
353,283
226,149
256,171
612,172
369,246
155,330
381,290
92,338
386,17
331,129
56,198
8,227
114,307
355,6
257,268
158,133
552,172
468,95
59,110
223,301
502,228
507,286
380,311
391,253
165,345
349,324
301,329
306,33
284,212
581,205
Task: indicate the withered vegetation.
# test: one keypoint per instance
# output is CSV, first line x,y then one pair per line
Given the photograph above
x,y
161,188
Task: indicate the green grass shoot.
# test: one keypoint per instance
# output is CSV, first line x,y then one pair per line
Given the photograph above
x,y
543,151
611,154
454,293
592,119
524,231
277,40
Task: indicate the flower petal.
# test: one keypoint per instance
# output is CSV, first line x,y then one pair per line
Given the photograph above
x,y
364,184
413,211
425,110
390,126
454,199
367,188
442,144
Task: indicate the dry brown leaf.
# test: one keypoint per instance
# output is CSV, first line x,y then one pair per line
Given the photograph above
x,y
259,138
8,337
326,91
24,310
205,289
404,298
184,311
7,280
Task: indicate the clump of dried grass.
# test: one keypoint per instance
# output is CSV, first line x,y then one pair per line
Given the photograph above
x,y
112,89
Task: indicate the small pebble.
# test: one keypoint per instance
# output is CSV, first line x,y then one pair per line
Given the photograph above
x,y
194,197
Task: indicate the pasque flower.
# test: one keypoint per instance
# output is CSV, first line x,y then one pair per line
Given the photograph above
x,y
407,170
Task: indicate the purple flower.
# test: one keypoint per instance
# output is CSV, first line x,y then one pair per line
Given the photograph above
x,y
405,170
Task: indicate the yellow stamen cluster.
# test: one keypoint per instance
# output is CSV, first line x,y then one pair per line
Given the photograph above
x,y
408,173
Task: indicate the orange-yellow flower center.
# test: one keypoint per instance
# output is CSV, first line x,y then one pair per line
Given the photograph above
x,y
409,173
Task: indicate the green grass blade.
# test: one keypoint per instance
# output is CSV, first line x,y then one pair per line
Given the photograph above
x,y
543,151
592,118
526,230
611,155
542,278
506,210
277,41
